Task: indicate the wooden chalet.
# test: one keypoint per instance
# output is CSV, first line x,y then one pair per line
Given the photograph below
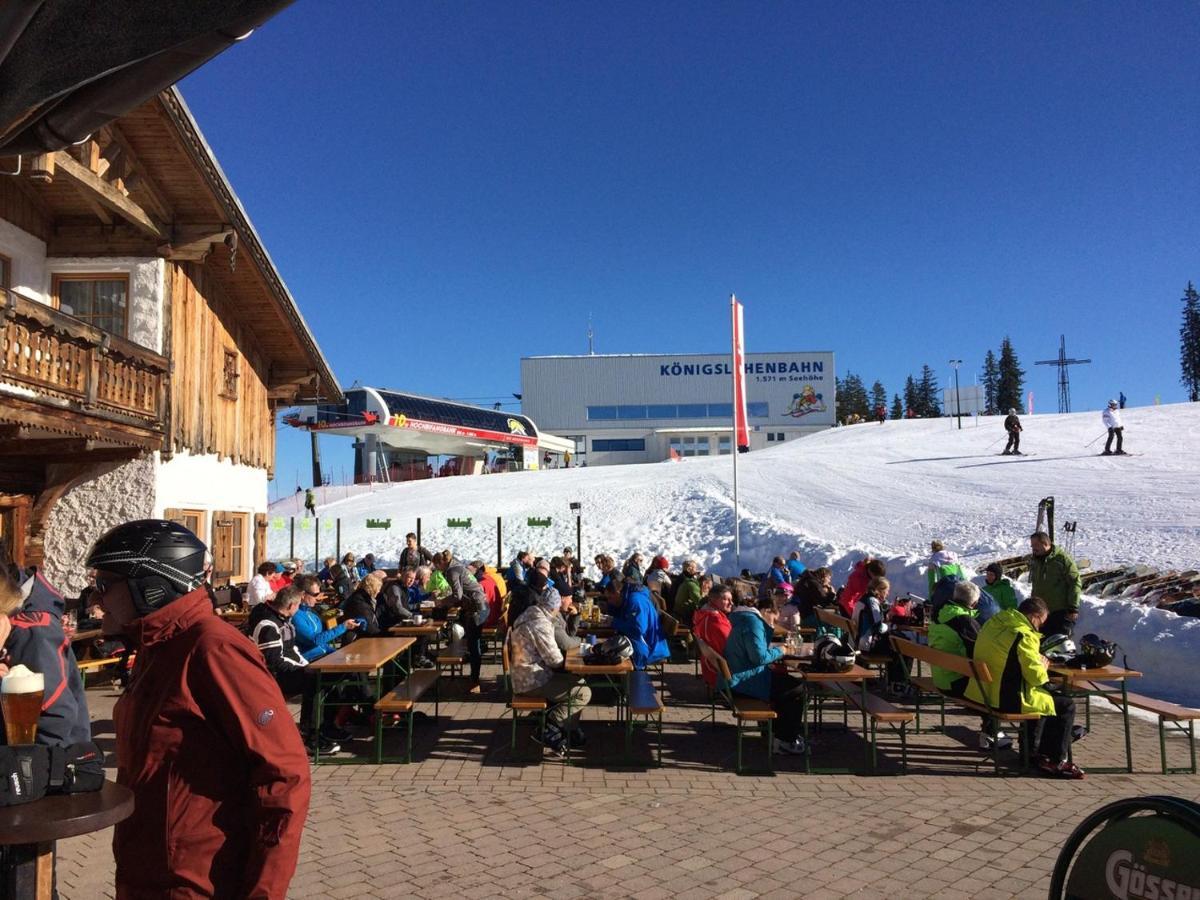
x,y
146,342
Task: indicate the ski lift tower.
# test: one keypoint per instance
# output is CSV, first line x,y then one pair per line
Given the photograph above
x,y
1064,379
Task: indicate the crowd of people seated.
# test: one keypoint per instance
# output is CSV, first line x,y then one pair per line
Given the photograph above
x,y
297,617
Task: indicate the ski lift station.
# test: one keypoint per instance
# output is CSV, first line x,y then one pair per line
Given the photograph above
x,y
402,437
633,408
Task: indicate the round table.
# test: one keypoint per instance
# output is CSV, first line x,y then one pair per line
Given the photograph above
x,y
29,830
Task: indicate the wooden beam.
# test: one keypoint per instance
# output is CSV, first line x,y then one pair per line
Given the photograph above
x,y
193,243
136,177
32,446
107,195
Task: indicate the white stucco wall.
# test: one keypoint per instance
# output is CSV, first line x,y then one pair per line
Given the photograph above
x,y
87,511
202,481
28,255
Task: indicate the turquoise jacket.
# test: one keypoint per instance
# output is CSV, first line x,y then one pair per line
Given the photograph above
x,y
750,654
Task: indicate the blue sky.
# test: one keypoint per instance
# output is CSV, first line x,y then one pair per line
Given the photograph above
x,y
449,187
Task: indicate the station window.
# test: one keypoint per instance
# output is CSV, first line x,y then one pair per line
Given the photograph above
x,y
724,445
720,410
600,413
618,445
757,410
693,410
631,412
662,411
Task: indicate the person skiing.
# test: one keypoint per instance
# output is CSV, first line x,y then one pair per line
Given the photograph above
x,y
881,413
310,503
1012,424
1112,421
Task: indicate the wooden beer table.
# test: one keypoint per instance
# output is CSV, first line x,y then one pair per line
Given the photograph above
x,y
614,676
855,675
1076,682
364,656
30,830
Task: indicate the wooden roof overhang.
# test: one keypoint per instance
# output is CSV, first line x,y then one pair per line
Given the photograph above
x,y
149,185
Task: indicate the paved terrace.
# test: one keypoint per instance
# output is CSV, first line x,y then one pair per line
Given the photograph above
x,y
469,819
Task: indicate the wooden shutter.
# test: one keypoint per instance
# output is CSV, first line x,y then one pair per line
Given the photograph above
x,y
174,515
222,544
260,539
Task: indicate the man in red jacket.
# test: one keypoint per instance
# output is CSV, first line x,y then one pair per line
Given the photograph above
x,y
204,739
711,624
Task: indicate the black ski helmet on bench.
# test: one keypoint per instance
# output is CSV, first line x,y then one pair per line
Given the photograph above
x,y
160,560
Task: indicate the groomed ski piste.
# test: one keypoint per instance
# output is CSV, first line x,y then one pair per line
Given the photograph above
x,y
884,489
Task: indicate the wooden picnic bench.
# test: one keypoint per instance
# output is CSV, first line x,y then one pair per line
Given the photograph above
x,y
745,709
643,700
452,657
976,671
401,701
94,665
879,712
1167,713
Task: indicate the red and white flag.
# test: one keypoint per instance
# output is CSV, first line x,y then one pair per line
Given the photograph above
x,y
741,427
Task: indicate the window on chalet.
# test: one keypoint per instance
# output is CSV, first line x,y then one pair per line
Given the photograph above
x,y
229,375
99,300
5,272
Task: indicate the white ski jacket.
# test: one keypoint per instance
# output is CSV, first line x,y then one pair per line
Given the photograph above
x,y
1112,418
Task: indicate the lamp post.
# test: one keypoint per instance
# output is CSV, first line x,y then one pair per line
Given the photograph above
x,y
577,508
957,397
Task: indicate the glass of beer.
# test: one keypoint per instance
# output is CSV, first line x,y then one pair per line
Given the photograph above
x,y
21,700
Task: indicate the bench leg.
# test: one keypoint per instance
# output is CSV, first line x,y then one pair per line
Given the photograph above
x,y
904,748
917,704
658,754
513,745
771,746
1192,742
995,745
379,737
408,749
1162,743
739,747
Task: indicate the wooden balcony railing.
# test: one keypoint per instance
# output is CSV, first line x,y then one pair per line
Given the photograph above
x,y
67,363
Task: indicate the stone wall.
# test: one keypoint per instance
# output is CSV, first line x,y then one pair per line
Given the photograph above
x,y
85,512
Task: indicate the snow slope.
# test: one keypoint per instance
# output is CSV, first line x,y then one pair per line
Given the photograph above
x,y
884,489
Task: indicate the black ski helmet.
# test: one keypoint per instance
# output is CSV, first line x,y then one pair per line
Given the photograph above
x,y
161,560
833,654
1097,652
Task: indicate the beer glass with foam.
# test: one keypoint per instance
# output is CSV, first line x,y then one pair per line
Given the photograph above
x,y
21,700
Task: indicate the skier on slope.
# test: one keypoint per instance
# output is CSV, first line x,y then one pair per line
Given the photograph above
x,y
1112,421
1012,424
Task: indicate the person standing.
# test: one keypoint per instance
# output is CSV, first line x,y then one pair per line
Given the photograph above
x,y
413,555
310,503
1012,424
881,413
1116,429
1054,579
1121,399
472,602
218,771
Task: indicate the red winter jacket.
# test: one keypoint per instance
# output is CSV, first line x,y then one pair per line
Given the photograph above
x,y
713,627
856,586
488,583
218,770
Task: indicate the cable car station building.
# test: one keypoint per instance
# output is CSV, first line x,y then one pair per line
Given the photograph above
x,y
631,408
396,434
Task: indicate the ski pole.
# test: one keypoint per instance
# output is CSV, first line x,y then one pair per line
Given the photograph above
x,y
1089,443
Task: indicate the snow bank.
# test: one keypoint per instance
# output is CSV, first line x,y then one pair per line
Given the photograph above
x,y
880,489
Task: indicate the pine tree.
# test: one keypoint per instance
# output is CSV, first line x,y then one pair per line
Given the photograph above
x,y
991,384
855,401
927,394
878,397
1189,344
897,407
1011,385
911,400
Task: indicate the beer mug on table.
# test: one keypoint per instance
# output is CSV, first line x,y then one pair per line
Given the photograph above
x,y
21,700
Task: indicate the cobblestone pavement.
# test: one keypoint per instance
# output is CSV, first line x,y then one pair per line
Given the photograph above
x,y
470,819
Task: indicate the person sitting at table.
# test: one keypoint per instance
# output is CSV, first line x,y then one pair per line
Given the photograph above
x,y
361,604
687,593
491,590
326,574
632,570
259,589
518,569
561,577
607,566
537,669
1010,645
753,672
312,637
874,634
795,567
271,628
998,587
538,585
955,631
635,616
711,624
815,591
658,578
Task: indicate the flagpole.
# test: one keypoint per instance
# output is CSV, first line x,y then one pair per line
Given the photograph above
x,y
737,530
